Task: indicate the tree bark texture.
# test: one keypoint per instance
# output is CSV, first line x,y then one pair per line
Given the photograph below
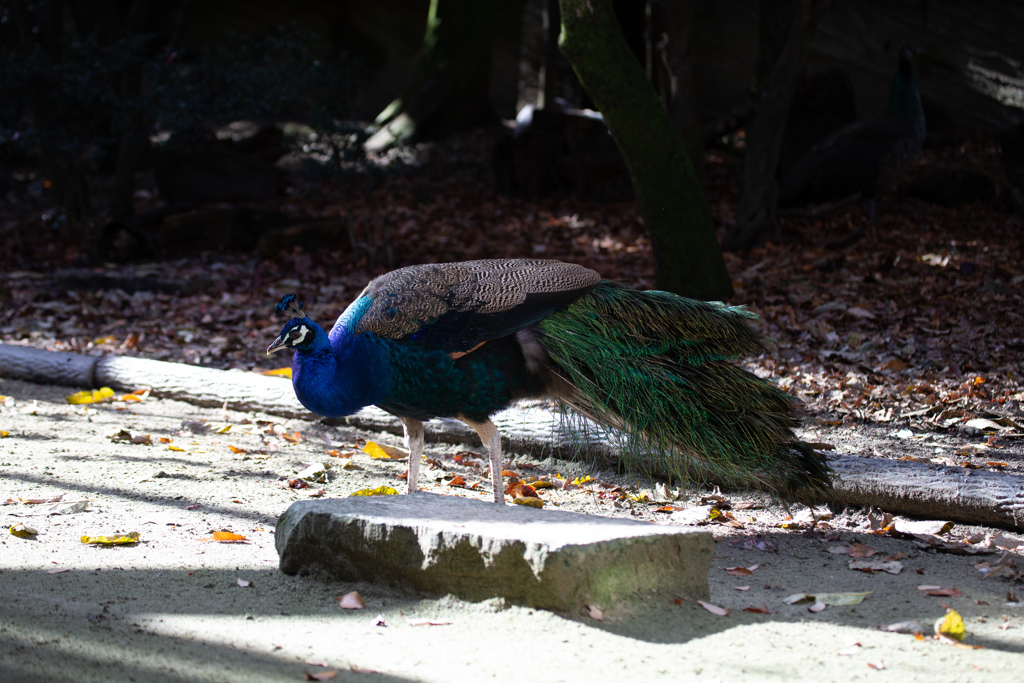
x,y
688,260
547,78
674,52
450,89
786,30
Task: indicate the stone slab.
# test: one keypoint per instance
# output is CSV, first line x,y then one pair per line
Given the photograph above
x,y
560,561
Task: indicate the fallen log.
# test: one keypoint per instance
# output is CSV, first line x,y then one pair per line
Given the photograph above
x,y
903,487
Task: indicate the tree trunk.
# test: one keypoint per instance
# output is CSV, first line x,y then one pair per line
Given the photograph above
x,y
547,78
450,89
786,30
688,260
674,57
133,145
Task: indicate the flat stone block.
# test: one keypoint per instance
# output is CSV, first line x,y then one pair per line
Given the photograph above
x,y
561,561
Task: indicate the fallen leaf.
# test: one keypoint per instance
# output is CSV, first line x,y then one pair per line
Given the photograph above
x,y
94,396
323,675
124,436
837,599
379,620
951,625
913,527
763,609
379,491
242,583
59,570
123,539
875,566
292,438
352,600
529,502
741,588
41,501
316,472
379,451
457,481
858,312
236,449
944,593
23,531
912,626
741,571
714,609
877,666
861,550
818,606
225,537
595,613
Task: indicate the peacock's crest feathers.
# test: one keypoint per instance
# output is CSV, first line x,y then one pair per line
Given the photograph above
x,y
289,307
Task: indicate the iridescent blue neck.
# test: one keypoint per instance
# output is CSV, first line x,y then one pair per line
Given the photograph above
x,y
337,376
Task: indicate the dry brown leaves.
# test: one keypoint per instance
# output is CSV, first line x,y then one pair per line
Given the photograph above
x,y
918,324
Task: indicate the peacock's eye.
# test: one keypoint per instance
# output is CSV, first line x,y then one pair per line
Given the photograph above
x,y
297,335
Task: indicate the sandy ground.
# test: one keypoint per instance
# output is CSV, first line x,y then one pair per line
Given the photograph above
x,y
172,607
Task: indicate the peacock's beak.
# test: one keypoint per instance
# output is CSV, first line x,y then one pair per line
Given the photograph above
x,y
276,345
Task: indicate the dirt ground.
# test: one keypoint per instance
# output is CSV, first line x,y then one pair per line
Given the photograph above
x,y
176,607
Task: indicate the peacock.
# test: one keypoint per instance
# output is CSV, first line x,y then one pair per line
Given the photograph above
x,y
865,157
465,340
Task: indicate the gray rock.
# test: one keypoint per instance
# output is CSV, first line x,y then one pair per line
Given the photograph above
x,y
554,560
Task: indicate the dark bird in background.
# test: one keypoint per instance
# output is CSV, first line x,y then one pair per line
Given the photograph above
x,y
864,157
465,340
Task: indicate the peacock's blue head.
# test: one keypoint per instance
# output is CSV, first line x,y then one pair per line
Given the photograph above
x,y
298,333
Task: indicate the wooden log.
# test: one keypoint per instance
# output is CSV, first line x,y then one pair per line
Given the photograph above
x,y
930,490
238,390
47,367
898,486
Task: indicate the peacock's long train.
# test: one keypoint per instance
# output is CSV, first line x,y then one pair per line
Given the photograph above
x,y
465,340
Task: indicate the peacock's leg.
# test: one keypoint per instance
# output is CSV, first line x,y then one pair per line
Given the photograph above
x,y
492,440
414,442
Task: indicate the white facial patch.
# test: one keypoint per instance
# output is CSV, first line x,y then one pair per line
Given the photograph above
x,y
298,335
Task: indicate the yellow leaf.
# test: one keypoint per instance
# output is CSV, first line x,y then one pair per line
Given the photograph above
x,y
236,449
123,539
3,434
279,372
580,481
176,449
529,501
381,452
129,397
225,429
541,484
22,531
90,396
952,625
379,491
